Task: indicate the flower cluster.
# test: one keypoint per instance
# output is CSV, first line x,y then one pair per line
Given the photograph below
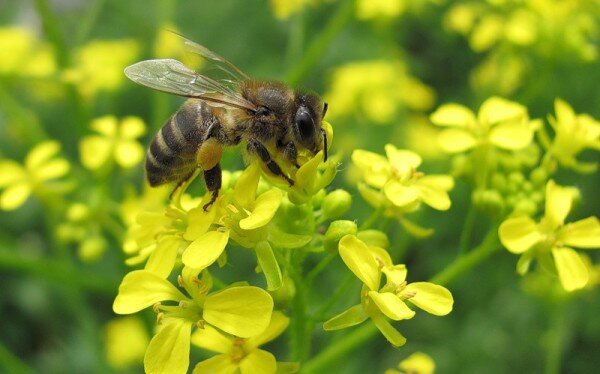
x,y
378,302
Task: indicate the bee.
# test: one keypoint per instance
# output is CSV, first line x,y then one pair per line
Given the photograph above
x,y
262,115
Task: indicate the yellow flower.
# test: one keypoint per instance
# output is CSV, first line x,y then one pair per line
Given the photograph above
x,y
500,122
247,218
239,353
170,45
22,55
377,303
126,340
376,89
116,141
243,311
98,66
552,239
285,8
573,134
417,363
371,9
399,180
36,176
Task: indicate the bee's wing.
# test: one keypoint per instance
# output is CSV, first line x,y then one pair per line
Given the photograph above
x,y
216,59
173,77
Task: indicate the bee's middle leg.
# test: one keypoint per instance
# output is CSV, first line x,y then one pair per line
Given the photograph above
x,y
256,147
213,179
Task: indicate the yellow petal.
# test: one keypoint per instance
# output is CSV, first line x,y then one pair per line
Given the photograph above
x,y
14,196
564,113
279,322
169,350
10,172
374,198
360,261
162,259
245,187
205,250
433,196
129,153
374,167
456,140
430,297
199,222
496,109
454,115
258,361
572,272
242,311
211,339
265,207
106,125
52,169
418,363
41,153
511,135
584,233
283,240
94,151
390,333
414,229
348,318
399,194
306,175
395,274
221,364
132,127
519,234
391,305
140,289
558,203
402,160
440,181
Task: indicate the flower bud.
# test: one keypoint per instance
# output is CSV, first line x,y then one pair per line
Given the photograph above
x,y
92,249
525,207
375,238
284,294
489,201
78,212
336,204
499,182
538,177
336,231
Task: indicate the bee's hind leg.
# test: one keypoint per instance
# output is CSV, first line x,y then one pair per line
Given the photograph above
x,y
213,179
256,147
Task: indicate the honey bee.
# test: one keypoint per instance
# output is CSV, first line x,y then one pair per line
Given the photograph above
x,y
220,113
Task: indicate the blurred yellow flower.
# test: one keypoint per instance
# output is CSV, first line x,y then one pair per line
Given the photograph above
x,y
501,123
377,303
370,9
239,353
22,55
243,311
551,238
40,169
376,89
169,44
417,363
98,66
126,340
116,141
573,134
285,8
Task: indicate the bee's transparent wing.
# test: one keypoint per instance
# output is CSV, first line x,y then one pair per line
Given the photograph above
x,y
171,76
218,61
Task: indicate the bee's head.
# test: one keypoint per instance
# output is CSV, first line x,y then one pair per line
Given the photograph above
x,y
306,123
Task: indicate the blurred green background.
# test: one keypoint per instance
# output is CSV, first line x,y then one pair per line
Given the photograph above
x,y
383,66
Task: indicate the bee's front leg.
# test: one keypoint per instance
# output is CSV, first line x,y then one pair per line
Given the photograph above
x,y
256,147
290,152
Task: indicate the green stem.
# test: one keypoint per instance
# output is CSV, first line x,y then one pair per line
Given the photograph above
x,y
88,20
56,271
28,122
366,332
558,337
371,219
320,43
320,315
300,334
322,265
11,363
467,230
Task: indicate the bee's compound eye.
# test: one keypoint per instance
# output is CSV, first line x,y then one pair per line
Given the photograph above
x,y
304,123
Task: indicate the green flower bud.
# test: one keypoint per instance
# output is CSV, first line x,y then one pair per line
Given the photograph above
x,y
538,177
525,207
335,232
284,294
490,201
92,249
499,182
375,238
516,178
78,212
336,204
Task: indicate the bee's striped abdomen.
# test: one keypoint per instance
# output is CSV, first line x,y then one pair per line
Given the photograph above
x,y
172,153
